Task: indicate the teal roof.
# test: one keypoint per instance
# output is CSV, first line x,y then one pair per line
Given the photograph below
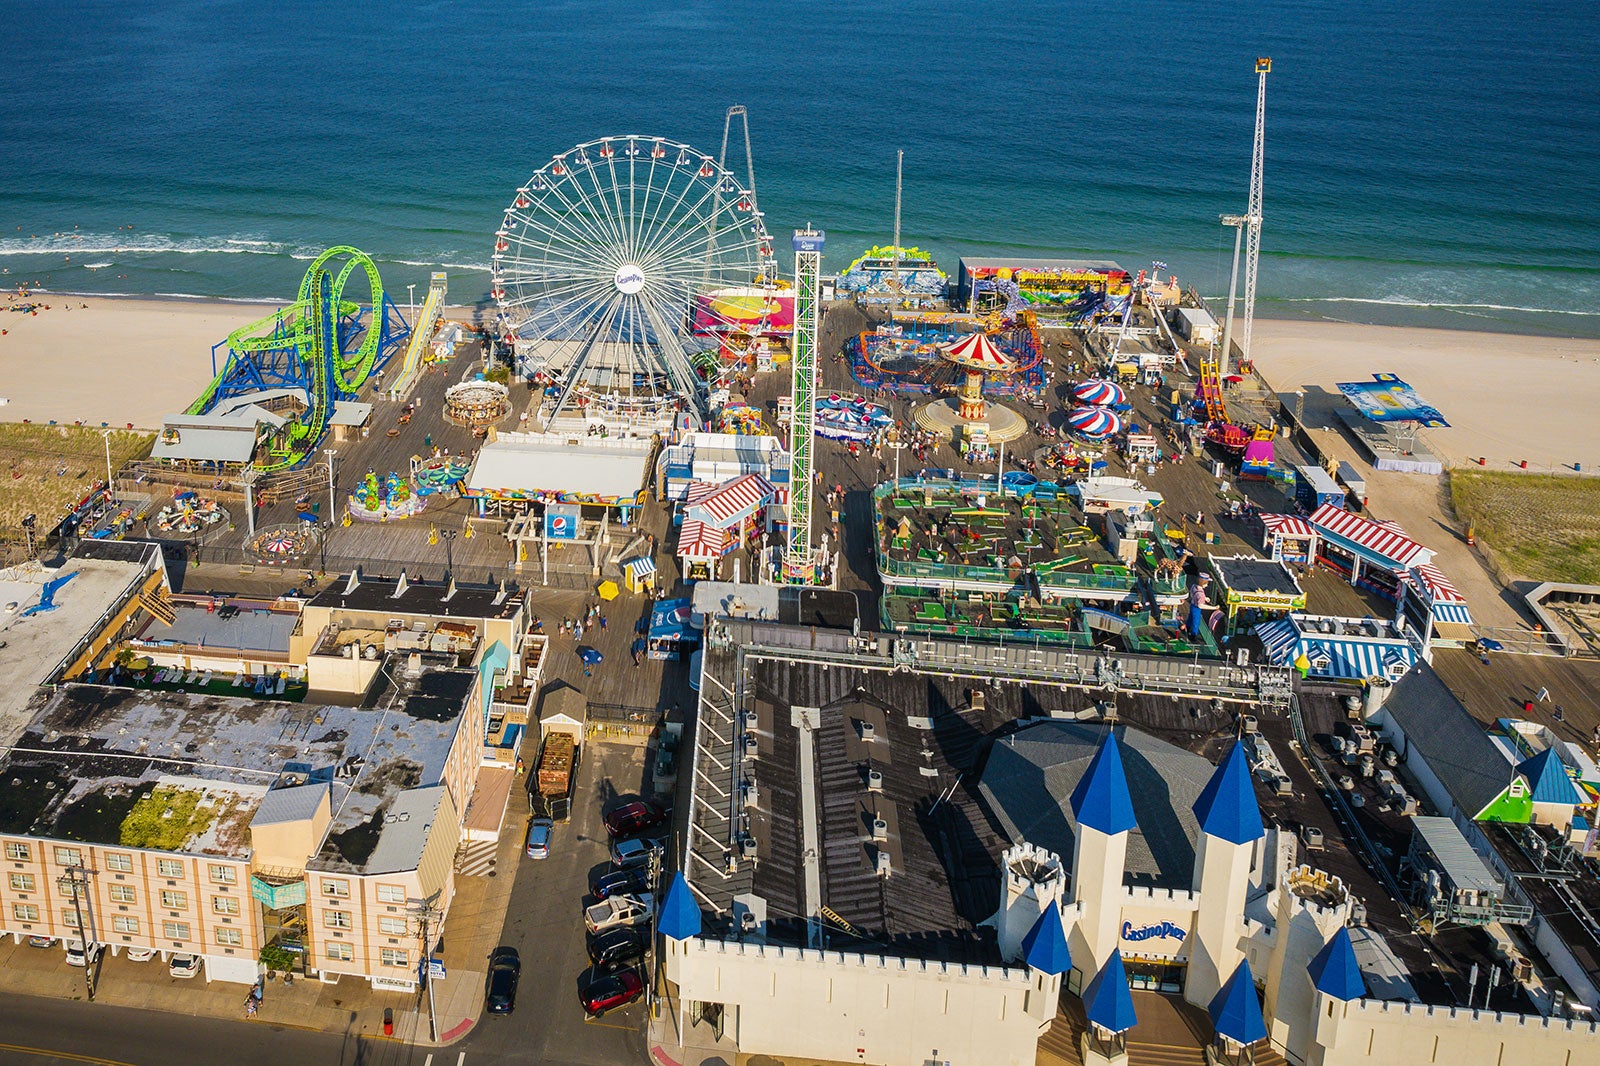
x,y
1334,969
1548,780
1107,1000
680,914
1101,800
1227,806
1045,945
1236,1010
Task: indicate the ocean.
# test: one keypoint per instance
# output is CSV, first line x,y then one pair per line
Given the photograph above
x,y
1432,163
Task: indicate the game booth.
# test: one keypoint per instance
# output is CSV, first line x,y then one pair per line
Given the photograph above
x,y
1374,555
1430,605
1255,590
1288,538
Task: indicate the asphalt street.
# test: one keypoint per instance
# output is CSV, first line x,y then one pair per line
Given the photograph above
x,y
544,923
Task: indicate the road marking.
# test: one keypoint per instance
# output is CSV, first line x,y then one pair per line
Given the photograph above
x,y
428,1061
94,1060
461,1058
604,1025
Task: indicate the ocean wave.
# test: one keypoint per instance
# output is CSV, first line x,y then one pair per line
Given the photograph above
x,y
143,244
1401,301
97,266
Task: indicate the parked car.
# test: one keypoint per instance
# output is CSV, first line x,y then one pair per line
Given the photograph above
x,y
620,883
37,941
77,956
539,832
616,911
630,853
616,948
500,991
183,965
611,991
139,954
634,817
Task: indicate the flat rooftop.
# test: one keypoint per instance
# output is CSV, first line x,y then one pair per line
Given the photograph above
x,y
101,765
35,645
249,630
434,599
530,463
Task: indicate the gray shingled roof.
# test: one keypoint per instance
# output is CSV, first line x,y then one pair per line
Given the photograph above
x,y
1031,774
1449,739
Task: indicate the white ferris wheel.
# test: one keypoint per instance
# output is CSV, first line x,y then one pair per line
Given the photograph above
x,y
620,261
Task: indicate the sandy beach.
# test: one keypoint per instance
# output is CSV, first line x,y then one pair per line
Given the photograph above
x,y
1507,398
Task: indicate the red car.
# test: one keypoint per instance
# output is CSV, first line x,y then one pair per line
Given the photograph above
x,y
611,991
634,817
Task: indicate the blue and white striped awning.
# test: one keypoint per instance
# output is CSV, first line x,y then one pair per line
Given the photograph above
x,y
640,567
1279,638
1452,612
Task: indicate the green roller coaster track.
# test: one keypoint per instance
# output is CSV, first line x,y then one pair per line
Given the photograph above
x,y
310,326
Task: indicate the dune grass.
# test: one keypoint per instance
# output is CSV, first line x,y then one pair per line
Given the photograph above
x,y
1542,527
45,470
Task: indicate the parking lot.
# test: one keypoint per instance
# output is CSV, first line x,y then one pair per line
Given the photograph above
x,y
545,924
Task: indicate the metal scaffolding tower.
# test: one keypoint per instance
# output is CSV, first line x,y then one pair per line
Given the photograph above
x,y
1248,225
799,565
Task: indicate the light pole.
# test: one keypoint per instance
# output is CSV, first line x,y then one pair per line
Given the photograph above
x,y
332,507
411,299
448,535
78,877
105,437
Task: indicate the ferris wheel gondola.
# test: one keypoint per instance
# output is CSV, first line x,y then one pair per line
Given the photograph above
x,y
622,259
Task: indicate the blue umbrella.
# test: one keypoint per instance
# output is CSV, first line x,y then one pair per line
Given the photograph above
x,y
589,655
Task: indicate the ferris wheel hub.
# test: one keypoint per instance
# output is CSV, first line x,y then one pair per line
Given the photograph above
x,y
629,279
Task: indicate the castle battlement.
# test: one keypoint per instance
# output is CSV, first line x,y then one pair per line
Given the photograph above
x,y
797,956
1458,1015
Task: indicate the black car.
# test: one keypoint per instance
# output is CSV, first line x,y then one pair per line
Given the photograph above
x,y
500,995
615,949
620,883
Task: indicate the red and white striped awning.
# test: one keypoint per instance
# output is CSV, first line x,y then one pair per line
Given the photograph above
x,y
1382,541
1287,525
699,540
697,491
1437,587
731,502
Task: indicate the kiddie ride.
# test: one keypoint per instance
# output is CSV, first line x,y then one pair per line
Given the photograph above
x,y
386,499
306,357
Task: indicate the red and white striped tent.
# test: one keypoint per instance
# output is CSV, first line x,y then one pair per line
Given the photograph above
x,y
700,540
977,352
1288,538
1380,543
730,503
1442,598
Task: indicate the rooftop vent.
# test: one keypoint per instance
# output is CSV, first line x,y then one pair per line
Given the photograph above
x,y
880,829
869,732
747,846
881,863
874,780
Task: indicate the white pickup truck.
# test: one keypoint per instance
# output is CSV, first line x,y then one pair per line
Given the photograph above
x,y
615,911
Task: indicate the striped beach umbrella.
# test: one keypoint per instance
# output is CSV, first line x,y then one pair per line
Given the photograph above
x,y
1094,423
1097,393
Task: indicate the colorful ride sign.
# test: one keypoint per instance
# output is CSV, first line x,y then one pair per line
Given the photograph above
x,y
1388,399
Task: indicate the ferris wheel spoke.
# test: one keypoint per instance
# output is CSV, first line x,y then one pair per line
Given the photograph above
x,y
567,225
690,231
677,215
574,371
582,243
676,361
694,242
596,203
556,243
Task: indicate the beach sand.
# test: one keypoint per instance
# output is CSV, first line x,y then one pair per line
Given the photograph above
x,y
118,360
1507,398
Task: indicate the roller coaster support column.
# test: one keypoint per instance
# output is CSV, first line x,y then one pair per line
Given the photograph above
x,y
799,565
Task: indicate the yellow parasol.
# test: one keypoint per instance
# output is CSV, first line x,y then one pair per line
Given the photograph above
x,y
608,590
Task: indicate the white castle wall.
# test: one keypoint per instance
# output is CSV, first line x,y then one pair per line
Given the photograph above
x,y
1367,1031
801,1004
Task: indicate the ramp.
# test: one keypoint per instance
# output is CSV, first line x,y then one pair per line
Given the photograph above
x,y
421,336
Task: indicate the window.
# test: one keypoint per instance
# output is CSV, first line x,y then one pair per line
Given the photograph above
x,y
223,875
64,886
25,912
336,919
230,937
169,867
69,857
341,889
120,863
340,952
125,923
394,957
224,905
175,930
69,917
22,882
391,893
122,893
392,926
174,900
17,851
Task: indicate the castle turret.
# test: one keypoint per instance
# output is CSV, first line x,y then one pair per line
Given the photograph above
x,y
1108,1004
1033,880
1046,953
1230,825
1311,905
1104,811
678,922
1236,1014
1336,981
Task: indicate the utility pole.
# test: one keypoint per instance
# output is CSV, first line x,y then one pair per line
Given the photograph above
x,y
448,535
411,299
82,903
111,495
425,913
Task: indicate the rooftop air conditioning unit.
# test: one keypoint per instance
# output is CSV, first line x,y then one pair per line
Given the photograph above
x,y
880,829
751,793
882,864
752,747
874,780
868,731
747,846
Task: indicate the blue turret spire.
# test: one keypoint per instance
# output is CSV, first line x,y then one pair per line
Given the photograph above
x,y
1547,779
1044,948
1101,800
680,915
1227,806
1107,1000
1236,1011
1334,969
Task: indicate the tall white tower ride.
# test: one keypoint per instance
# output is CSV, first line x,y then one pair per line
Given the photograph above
x,y
1248,225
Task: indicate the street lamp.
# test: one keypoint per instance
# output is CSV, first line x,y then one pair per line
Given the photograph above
x,y
105,436
411,299
332,507
448,535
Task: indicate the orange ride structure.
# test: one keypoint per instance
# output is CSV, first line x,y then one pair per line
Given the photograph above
x,y
968,413
1220,429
